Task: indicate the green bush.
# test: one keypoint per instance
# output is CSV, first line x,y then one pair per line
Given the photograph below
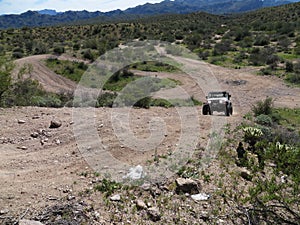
x,y
143,103
59,50
106,100
264,107
264,120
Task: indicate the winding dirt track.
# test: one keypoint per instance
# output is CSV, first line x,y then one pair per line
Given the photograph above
x,y
49,80
38,171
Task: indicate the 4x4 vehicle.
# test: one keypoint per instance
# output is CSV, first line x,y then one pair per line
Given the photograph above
x,y
217,101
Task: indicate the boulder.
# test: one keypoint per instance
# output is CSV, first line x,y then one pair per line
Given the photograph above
x,y
55,124
187,186
21,121
154,214
141,204
115,198
200,197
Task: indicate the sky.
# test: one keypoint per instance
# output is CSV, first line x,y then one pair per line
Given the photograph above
x,y
20,6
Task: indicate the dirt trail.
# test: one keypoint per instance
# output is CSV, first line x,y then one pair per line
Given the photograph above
x,y
38,171
49,80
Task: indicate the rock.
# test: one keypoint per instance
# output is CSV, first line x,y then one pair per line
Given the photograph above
x,y
245,174
200,197
34,134
154,214
35,117
186,186
55,124
141,204
115,198
22,147
135,173
71,197
283,179
146,186
21,121
29,222
4,211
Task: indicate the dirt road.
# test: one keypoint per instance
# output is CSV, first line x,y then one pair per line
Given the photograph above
x,y
39,165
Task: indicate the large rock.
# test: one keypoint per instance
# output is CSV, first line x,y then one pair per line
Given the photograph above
x,y
154,214
141,204
200,197
187,186
29,222
55,124
115,198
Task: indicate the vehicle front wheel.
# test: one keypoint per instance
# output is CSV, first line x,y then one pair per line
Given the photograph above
x,y
205,110
227,112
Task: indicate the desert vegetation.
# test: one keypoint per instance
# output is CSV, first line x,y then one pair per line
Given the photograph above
x,y
255,177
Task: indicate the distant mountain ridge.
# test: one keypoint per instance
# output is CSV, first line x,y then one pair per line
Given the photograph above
x,y
49,17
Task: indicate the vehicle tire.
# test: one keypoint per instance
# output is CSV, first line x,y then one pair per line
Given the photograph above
x,y
227,112
231,110
205,109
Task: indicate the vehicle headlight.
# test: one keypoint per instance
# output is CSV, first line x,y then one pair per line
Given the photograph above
x,y
209,102
222,101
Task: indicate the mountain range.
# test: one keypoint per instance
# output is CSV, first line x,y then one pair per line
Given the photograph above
x,y
50,17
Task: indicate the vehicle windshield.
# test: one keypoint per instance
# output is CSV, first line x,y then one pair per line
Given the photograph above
x,y
217,94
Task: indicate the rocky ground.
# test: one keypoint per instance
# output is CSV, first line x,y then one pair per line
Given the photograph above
x,y
45,177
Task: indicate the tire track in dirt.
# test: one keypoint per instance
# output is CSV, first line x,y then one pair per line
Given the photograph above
x,y
49,80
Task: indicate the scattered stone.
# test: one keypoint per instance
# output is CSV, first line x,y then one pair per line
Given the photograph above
x,y
154,214
21,121
29,222
135,173
58,142
284,179
55,124
23,148
146,186
71,197
200,197
34,134
245,174
141,204
204,215
186,186
236,82
35,117
4,211
115,198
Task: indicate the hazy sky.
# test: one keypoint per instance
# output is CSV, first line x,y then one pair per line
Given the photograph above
x,y
19,6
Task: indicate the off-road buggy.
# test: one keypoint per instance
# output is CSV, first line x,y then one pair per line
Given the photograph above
x,y
217,101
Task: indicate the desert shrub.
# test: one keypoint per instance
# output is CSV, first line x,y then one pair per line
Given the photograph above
x,y
262,40
289,67
107,186
5,79
29,93
263,107
58,50
46,101
87,54
143,103
293,78
264,120
161,103
106,100
17,55
266,71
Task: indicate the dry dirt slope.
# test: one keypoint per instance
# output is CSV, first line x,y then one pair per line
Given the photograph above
x,y
38,171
